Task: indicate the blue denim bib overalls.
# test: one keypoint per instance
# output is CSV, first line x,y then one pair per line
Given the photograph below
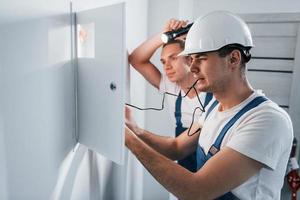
x,y
189,162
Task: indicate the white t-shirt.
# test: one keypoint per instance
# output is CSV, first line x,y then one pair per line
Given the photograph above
x,y
264,134
188,105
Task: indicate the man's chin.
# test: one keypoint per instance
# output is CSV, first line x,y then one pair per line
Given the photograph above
x,y
173,79
202,88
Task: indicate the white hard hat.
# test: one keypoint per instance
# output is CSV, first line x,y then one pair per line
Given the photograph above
x,y
216,30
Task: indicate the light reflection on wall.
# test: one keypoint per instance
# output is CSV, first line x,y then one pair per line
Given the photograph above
x,y
67,173
86,40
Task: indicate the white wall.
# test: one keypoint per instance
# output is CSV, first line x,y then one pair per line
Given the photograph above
x,y
38,156
136,24
3,177
13,11
158,14
36,103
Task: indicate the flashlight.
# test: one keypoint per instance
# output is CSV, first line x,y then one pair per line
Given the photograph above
x,y
171,35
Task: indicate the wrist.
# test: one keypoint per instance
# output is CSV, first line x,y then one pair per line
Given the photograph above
x,y
138,131
157,39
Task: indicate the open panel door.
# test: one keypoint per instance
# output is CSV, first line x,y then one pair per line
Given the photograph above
x,y
101,65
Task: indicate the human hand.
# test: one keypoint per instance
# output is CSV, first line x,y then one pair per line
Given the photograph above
x,y
174,24
128,136
129,121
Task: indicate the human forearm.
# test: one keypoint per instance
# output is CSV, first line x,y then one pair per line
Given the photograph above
x,y
164,145
173,148
143,53
173,177
140,60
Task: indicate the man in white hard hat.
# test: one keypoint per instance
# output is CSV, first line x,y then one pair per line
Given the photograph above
x,y
244,139
175,79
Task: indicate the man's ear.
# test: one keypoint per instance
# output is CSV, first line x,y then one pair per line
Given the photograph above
x,y
235,57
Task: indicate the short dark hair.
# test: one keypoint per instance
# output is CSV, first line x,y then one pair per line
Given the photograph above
x,y
245,52
178,41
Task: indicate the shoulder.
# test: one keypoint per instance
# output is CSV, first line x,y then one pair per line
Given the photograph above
x,y
269,118
264,134
269,111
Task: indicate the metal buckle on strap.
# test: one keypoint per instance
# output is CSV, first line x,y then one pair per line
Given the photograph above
x,y
213,150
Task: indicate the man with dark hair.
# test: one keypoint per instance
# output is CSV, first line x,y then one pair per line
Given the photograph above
x,y
243,140
176,79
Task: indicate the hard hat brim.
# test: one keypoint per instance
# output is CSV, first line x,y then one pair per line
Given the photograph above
x,y
186,53
191,51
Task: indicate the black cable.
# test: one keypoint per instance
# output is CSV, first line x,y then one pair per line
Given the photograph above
x,y
188,133
157,109
201,108
171,94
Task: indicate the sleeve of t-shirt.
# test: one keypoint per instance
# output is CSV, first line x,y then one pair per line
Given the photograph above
x,y
263,136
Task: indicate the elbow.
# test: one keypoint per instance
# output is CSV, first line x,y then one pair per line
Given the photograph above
x,y
177,154
130,58
137,60
133,60
180,151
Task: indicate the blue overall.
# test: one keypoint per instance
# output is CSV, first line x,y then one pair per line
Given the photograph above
x,y
202,158
189,162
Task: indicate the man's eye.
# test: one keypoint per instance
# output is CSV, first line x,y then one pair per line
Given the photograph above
x,y
200,59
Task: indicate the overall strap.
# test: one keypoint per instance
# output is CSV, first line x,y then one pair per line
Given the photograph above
x,y
189,162
177,113
178,110
208,98
252,104
213,105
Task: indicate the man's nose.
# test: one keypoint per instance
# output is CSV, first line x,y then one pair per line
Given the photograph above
x,y
167,64
194,68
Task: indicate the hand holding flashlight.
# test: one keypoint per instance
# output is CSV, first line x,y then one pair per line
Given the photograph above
x,y
174,29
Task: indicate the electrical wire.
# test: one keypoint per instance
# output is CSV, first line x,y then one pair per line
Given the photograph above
x,y
193,119
201,108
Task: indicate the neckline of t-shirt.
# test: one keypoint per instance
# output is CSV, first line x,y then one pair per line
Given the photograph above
x,y
183,94
242,104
